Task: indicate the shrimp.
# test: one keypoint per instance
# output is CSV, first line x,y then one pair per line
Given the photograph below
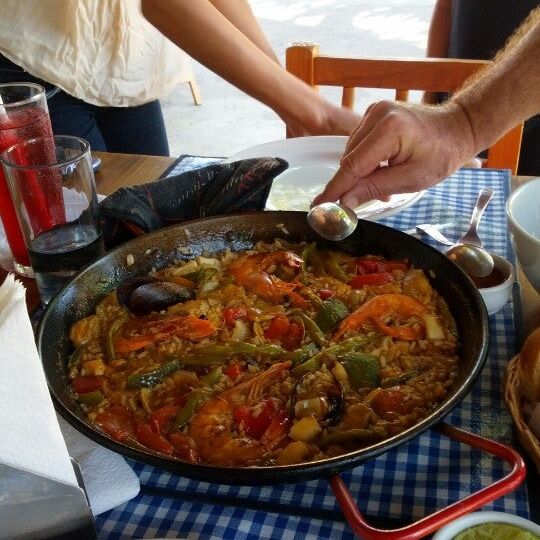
x,y
381,306
153,329
212,425
249,271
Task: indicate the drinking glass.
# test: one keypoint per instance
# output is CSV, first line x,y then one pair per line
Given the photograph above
x,y
52,187
23,115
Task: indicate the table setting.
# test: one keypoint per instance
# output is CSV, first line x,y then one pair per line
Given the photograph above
x,y
404,482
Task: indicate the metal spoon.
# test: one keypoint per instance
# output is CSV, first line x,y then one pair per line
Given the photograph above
x,y
332,221
468,252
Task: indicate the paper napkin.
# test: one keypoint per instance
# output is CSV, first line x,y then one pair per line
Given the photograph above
x,y
108,479
33,438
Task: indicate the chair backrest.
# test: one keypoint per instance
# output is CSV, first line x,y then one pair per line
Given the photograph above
x,y
402,75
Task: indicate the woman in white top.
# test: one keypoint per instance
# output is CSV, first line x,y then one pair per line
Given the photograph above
x,y
111,66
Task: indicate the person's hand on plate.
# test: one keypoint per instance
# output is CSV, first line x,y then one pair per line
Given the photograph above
x,y
422,144
320,117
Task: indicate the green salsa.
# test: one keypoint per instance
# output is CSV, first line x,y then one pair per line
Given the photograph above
x,y
496,531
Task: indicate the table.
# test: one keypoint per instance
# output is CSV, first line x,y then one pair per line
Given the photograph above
x,y
119,169
126,169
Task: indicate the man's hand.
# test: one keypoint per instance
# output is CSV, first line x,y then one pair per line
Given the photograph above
x,y
421,144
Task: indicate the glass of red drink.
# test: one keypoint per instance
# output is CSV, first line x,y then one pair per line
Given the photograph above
x,y
23,115
52,187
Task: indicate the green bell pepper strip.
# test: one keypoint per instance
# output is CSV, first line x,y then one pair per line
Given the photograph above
x,y
334,269
302,354
313,298
331,312
315,333
399,379
111,334
316,361
363,369
237,347
90,398
150,379
76,357
352,436
306,254
196,399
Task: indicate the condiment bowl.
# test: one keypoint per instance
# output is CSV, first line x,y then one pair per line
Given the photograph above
x,y
497,287
523,212
450,531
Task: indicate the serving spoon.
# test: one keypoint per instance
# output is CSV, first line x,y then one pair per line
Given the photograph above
x,y
332,221
468,252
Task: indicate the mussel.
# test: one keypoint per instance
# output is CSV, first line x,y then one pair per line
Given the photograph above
x,y
319,394
142,295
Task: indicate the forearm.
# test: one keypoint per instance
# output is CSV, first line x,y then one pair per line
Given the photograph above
x,y
206,35
439,30
239,13
507,92
438,38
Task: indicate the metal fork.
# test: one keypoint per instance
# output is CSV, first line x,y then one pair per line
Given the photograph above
x,y
471,236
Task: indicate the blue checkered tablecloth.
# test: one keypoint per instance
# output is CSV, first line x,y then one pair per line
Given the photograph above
x,y
406,483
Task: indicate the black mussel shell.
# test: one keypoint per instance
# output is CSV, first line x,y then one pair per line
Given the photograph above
x,y
124,290
144,295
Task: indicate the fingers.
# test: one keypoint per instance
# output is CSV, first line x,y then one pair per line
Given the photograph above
x,y
372,116
378,145
380,185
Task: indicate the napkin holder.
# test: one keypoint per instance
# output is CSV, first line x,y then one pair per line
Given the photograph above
x,y
34,507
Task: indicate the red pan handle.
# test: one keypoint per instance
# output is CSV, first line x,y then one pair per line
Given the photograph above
x,y
431,523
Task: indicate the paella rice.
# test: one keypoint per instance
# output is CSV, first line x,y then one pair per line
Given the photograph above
x,y
283,354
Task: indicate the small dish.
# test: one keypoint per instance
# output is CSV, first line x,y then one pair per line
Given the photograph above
x,y
450,531
497,287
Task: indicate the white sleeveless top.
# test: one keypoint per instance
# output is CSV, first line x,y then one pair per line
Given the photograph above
x,y
101,51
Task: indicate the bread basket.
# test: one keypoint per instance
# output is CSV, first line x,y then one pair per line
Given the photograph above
x,y
513,398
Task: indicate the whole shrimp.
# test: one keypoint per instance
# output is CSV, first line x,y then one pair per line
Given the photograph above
x,y
250,271
212,426
381,306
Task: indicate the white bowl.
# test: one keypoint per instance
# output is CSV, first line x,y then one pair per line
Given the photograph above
x,y
449,532
496,297
523,212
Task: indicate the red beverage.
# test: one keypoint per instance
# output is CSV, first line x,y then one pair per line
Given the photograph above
x,y
17,126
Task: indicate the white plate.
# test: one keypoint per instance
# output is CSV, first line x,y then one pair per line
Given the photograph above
x,y
312,162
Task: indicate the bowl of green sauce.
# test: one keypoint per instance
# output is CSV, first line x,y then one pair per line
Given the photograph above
x,y
489,526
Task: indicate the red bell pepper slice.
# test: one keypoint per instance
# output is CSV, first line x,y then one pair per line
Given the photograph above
x,y
391,400
277,328
149,438
230,315
375,266
161,419
255,425
234,370
357,282
83,385
117,422
184,448
290,334
325,294
295,333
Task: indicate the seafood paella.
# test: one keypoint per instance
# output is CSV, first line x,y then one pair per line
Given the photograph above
x,y
284,354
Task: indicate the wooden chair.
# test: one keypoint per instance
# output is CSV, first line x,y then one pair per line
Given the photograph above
x,y
402,75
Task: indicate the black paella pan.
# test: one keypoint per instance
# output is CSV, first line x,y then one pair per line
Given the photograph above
x,y
238,232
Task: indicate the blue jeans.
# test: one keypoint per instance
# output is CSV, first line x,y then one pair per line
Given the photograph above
x,y
129,130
